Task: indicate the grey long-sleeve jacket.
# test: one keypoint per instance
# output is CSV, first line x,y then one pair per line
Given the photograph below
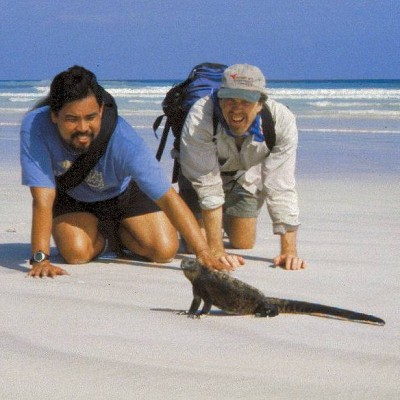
x,y
258,170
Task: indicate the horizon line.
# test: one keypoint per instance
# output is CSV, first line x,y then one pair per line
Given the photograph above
x,y
178,79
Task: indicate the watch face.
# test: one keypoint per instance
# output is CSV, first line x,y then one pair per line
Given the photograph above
x,y
39,257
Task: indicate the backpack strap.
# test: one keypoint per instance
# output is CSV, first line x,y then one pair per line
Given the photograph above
x,y
267,124
215,125
268,127
164,135
80,169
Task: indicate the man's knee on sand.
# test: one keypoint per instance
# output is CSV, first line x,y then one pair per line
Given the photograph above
x,y
80,251
160,245
241,232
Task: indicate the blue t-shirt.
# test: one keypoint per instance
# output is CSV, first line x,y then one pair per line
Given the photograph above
x,y
45,155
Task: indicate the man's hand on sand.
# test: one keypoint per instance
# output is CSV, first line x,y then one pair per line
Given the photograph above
x,y
289,262
46,269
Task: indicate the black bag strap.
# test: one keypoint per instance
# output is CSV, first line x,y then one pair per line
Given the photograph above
x,y
267,125
163,142
157,123
164,136
85,162
175,171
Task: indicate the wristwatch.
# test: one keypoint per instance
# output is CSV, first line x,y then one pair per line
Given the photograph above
x,y
38,257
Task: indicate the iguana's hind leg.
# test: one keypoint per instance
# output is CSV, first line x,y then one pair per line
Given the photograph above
x,y
266,310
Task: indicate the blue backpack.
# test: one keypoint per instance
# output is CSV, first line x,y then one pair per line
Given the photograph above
x,y
202,81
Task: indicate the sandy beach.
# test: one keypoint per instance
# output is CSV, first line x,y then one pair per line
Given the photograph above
x,y
111,330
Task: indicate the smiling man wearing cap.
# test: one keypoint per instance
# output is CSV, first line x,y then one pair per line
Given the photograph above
x,y
229,172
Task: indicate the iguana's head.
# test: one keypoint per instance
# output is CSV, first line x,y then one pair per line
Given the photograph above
x,y
191,268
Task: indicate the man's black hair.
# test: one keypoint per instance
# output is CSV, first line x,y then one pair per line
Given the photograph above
x,y
75,83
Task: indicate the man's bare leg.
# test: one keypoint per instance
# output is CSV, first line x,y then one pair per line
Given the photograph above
x,y
241,231
150,235
77,237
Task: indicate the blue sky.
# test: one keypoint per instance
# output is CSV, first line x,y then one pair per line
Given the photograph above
x,y
163,39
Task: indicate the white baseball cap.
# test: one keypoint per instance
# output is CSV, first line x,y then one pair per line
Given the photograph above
x,y
242,81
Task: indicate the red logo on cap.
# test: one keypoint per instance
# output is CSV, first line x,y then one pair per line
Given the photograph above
x,y
233,76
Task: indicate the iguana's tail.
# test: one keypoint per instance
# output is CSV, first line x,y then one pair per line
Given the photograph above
x,y
302,307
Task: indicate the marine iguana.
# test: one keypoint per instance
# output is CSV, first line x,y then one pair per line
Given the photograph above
x,y
236,297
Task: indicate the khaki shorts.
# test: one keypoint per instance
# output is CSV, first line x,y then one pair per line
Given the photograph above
x,y
238,201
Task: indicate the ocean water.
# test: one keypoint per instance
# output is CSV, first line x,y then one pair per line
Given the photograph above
x,y
324,109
